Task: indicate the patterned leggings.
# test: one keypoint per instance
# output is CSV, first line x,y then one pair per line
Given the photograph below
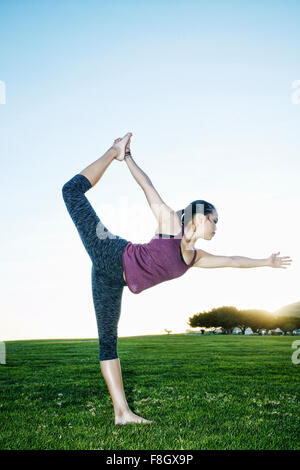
x,y
105,251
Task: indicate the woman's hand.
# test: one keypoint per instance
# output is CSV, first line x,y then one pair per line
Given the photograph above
x,y
275,261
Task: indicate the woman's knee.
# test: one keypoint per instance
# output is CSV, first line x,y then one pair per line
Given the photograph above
x,y
78,183
108,348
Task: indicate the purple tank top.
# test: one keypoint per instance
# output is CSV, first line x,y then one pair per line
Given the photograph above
x,y
148,264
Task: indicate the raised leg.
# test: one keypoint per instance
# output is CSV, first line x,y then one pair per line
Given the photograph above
x,y
103,247
81,212
95,170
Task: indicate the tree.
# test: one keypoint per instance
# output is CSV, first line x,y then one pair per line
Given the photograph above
x,y
229,317
221,317
201,320
242,321
286,323
257,319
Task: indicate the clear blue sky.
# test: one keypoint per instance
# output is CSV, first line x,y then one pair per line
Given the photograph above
x,y
206,89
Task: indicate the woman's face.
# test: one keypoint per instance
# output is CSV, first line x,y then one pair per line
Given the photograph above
x,y
212,220
206,225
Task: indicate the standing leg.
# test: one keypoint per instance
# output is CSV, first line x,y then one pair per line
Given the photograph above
x,y
107,298
111,371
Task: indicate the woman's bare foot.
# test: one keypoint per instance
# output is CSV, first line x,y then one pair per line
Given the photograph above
x,y
129,417
127,148
120,146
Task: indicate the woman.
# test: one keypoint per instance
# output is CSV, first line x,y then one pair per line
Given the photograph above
x,y
116,262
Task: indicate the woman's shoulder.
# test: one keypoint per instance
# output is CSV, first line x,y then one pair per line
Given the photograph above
x,y
168,233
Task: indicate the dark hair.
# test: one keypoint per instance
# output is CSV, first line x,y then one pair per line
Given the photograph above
x,y
196,207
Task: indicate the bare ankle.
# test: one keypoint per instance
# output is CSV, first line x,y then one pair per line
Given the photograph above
x,y
113,151
121,411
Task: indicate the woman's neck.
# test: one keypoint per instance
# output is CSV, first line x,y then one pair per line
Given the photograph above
x,y
188,237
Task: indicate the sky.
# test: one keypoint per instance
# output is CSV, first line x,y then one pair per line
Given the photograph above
x,y
211,93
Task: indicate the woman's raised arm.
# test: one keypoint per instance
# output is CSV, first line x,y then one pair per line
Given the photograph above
x,y
140,177
165,215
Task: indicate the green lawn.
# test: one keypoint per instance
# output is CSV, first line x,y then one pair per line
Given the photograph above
x,y
203,392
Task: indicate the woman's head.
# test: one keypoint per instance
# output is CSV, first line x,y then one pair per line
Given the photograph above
x,y
200,215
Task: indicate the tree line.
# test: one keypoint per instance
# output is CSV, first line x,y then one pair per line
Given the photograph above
x,y
229,317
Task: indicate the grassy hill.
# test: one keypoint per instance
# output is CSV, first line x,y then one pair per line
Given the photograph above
x,y
291,310
203,392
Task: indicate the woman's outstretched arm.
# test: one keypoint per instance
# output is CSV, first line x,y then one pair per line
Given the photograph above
x,y
166,217
207,260
273,261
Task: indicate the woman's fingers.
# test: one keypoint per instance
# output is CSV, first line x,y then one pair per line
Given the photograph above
x,y
281,258
280,261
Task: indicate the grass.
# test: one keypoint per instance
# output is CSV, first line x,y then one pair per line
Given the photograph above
x,y
203,392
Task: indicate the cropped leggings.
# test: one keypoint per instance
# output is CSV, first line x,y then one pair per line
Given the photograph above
x,y
105,251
